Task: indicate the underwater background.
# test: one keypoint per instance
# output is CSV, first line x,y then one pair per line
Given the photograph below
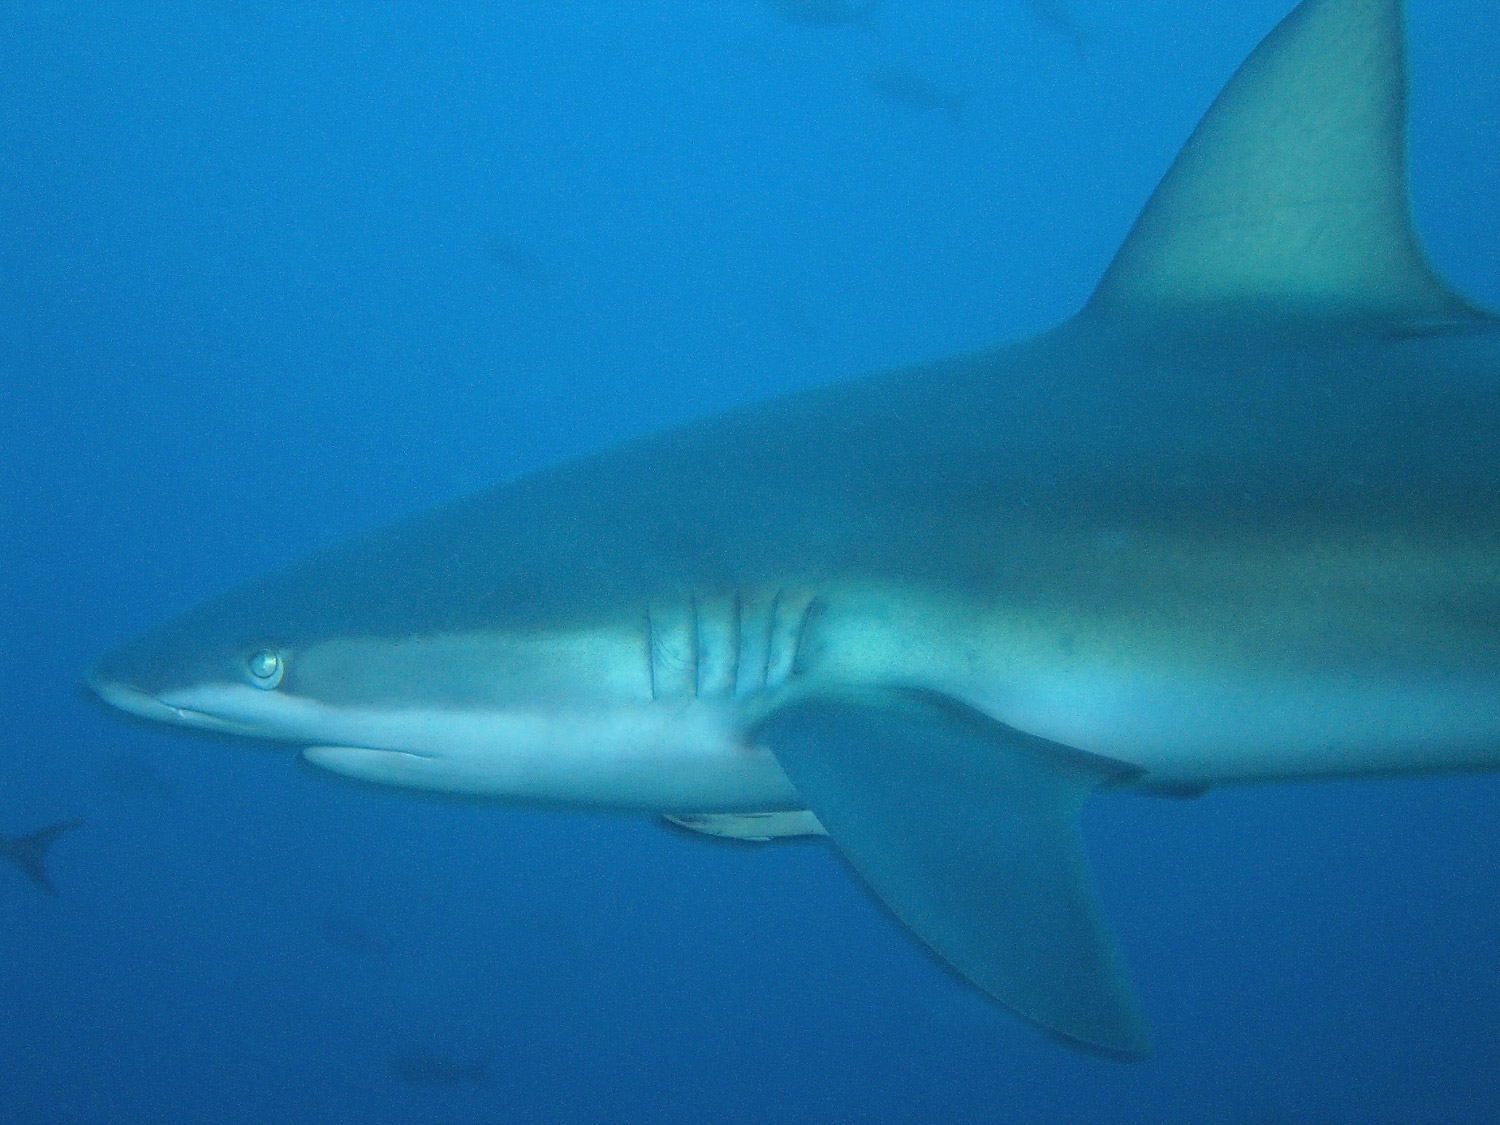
x,y
272,273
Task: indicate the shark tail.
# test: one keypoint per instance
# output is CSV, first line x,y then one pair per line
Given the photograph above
x,y
29,852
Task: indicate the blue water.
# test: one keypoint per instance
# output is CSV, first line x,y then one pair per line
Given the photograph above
x,y
271,273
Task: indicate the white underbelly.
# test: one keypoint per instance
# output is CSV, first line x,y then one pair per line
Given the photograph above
x,y
683,758
1192,725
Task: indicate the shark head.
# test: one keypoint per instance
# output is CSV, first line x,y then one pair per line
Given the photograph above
x,y
231,643
341,630
380,666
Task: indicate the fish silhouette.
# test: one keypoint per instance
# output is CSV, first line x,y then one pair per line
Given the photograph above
x,y
29,852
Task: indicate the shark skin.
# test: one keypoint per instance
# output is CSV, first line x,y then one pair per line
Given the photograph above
x,y
1238,520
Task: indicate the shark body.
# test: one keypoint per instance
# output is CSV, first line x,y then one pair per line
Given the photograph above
x,y
1237,520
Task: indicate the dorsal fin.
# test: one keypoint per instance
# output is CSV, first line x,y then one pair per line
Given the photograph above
x,y
1291,193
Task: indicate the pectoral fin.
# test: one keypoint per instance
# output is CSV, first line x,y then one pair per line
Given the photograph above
x,y
967,830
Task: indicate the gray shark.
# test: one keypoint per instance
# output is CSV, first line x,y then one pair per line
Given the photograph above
x,y
1238,520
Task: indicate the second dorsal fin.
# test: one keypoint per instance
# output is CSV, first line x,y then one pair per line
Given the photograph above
x,y
1291,193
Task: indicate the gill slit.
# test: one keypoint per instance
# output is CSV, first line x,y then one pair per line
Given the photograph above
x,y
695,672
651,651
813,603
770,639
721,647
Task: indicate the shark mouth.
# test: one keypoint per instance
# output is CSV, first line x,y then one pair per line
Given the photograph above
x,y
143,705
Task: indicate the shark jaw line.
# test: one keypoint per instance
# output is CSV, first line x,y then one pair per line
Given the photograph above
x,y
689,756
146,706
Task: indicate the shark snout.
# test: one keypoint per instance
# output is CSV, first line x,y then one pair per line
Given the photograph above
x,y
123,678
132,700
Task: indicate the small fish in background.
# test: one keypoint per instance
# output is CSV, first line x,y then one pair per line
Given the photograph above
x,y
134,777
349,935
517,260
29,852
793,319
421,1067
902,87
1056,16
827,13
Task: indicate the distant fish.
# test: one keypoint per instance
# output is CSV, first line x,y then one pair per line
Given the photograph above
x,y
793,318
827,13
349,935
1056,16
420,1067
29,852
517,260
135,777
905,88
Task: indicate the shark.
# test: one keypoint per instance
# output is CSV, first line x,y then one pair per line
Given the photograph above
x,y
1237,520
29,852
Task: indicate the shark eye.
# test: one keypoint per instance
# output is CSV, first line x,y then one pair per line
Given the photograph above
x,y
266,668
